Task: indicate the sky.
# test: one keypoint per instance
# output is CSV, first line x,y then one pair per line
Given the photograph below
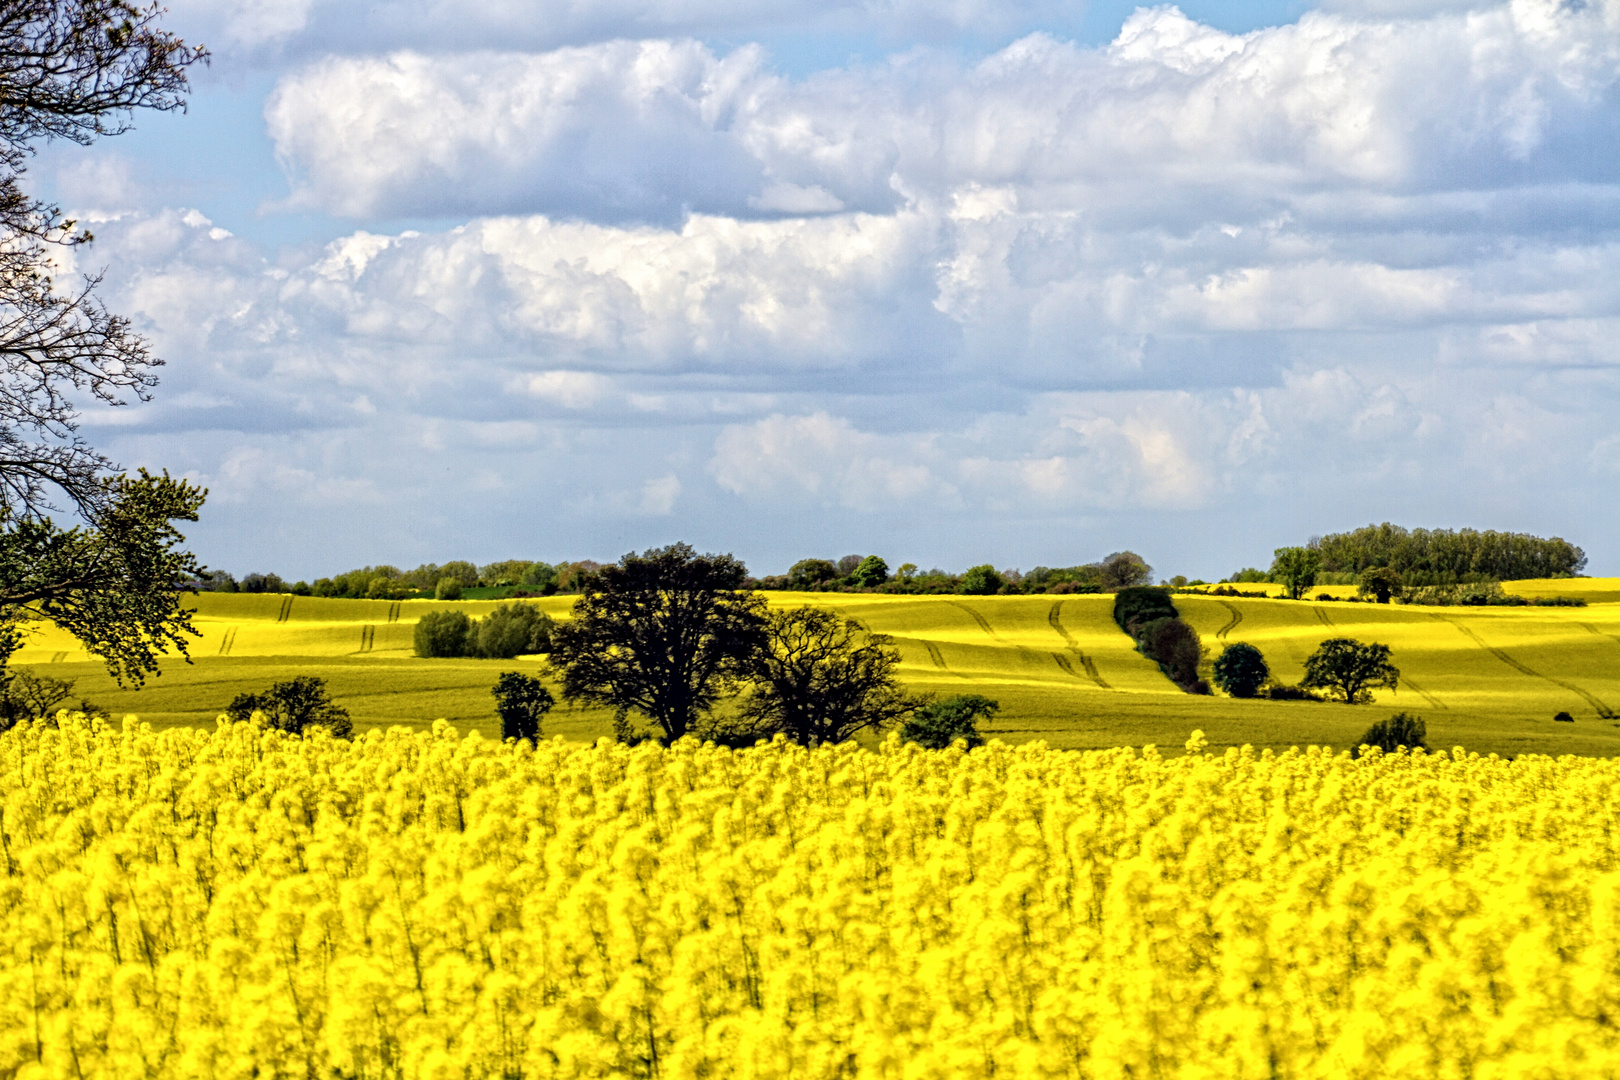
x,y
1022,282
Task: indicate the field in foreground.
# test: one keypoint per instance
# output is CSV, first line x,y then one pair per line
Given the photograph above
x,y
235,903
1490,679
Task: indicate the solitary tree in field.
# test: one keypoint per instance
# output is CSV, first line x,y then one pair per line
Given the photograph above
x,y
295,706
1296,568
1241,670
1122,570
664,633
522,703
1349,669
821,678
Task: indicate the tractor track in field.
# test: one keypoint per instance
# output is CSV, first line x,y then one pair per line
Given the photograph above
x,y
1236,620
286,609
1433,701
1055,618
984,624
1600,633
1324,618
936,656
368,637
228,642
57,658
1602,710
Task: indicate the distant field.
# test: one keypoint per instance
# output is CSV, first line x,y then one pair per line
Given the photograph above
x,y
1489,679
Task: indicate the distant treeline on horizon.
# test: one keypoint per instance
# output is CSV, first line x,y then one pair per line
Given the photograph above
x,y
1420,556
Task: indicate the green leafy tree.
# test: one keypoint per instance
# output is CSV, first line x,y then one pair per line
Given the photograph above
x,y
1177,648
540,577
938,724
1350,669
871,573
295,706
448,588
1379,582
906,572
522,703
821,678
462,571
512,630
1392,734
981,581
808,573
444,633
1241,670
664,634
1122,570
116,586
1296,568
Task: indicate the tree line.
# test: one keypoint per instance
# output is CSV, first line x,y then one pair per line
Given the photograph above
x,y
1420,558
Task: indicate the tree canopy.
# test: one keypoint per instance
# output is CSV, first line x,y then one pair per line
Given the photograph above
x,y
822,678
1296,568
1437,555
1350,669
664,634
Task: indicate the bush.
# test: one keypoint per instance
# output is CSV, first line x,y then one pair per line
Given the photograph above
x,y
1241,670
938,724
808,573
444,633
521,702
981,581
1138,605
1563,718
871,573
1392,734
294,707
1379,583
510,630
1175,645
448,588
1282,692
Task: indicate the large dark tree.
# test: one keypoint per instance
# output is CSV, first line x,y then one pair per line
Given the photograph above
x,y
77,70
821,678
294,706
665,633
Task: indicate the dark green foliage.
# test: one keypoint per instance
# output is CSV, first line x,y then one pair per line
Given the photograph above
x,y
1379,582
1436,556
1392,734
1137,605
263,583
1176,647
540,577
1241,670
663,633
871,573
448,588
982,581
444,633
294,707
1296,568
511,630
115,586
1349,669
938,724
821,678
1563,718
1122,570
1281,692
522,703
808,573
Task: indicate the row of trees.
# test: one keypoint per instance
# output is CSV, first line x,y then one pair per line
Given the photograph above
x,y
677,641
1413,558
870,573
385,582
1149,616
510,630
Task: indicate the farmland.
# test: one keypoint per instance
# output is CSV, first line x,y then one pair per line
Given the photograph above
x,y
1489,679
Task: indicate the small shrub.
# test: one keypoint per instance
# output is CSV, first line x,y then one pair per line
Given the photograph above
x,y
1241,670
448,588
1283,692
295,706
938,724
1392,734
1564,718
522,703
444,633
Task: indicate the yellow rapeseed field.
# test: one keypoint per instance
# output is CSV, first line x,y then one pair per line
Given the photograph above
x,y
238,903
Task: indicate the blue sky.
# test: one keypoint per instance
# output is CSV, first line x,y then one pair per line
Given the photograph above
x,y
1026,283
